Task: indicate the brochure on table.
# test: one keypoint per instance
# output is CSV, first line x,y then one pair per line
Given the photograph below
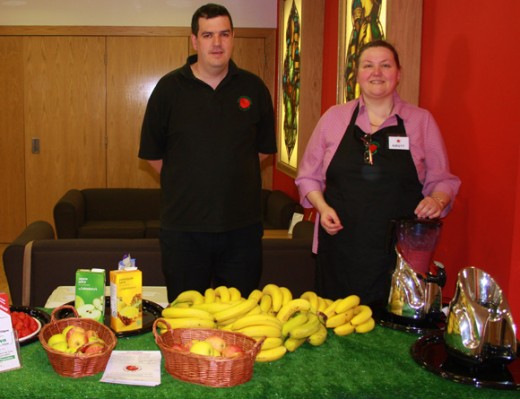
x,y
133,368
9,347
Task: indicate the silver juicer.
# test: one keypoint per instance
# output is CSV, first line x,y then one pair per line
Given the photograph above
x,y
416,292
480,327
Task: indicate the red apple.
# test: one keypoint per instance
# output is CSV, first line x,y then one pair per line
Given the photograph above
x,y
76,337
92,335
232,351
95,347
216,342
70,329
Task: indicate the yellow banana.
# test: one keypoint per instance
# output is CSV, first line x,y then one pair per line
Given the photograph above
x,y
319,337
234,294
328,301
256,294
276,294
235,311
307,329
255,320
344,329
266,303
209,295
322,304
291,307
213,307
331,309
222,292
296,320
174,312
180,305
293,343
347,303
270,355
186,322
272,342
366,326
286,295
191,296
362,313
312,297
336,320
261,331
255,310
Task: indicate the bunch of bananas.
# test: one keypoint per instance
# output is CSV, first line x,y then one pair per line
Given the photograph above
x,y
347,315
271,314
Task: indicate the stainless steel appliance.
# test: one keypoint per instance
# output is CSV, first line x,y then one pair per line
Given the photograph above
x,y
480,327
416,287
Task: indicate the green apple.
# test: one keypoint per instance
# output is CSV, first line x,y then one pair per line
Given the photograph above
x,y
89,311
60,347
202,348
56,339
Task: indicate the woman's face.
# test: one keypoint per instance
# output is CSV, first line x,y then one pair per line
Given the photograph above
x,y
378,74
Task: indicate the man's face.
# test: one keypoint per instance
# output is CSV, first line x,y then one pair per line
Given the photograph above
x,y
213,43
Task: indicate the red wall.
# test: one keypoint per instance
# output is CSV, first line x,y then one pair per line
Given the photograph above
x,y
470,82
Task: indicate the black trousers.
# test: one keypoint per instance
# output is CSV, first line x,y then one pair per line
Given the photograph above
x,y
197,261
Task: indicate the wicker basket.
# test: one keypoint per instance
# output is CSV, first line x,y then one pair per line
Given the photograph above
x,y
206,370
73,364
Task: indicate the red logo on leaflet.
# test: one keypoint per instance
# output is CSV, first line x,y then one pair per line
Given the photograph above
x,y
244,103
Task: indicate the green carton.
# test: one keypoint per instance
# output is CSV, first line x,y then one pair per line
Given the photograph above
x,y
90,294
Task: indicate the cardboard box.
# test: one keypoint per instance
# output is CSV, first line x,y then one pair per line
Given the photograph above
x,y
90,294
9,346
126,292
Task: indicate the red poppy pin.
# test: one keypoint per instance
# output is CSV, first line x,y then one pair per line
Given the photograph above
x,y
244,103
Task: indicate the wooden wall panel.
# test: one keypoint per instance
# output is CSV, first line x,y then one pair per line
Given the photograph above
x,y
404,32
12,174
135,64
65,109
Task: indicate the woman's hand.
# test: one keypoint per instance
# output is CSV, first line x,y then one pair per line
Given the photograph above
x,y
329,220
431,206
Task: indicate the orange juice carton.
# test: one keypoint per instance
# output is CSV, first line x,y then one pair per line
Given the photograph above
x,y
126,291
90,294
9,346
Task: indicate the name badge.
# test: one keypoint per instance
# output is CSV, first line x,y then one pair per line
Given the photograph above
x,y
398,143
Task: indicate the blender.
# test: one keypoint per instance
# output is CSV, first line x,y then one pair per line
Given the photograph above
x,y
415,298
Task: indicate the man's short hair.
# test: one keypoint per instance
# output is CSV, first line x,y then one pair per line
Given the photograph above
x,y
209,11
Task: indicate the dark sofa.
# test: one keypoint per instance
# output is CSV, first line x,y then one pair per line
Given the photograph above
x,y
49,263
134,212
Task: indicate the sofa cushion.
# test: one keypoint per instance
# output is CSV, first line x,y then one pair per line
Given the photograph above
x,y
112,229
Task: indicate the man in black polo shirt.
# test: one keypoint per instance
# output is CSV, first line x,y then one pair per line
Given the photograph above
x,y
207,126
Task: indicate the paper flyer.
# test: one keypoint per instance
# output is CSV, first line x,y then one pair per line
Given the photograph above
x,y
133,368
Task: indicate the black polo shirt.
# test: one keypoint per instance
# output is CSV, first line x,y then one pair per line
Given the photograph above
x,y
209,142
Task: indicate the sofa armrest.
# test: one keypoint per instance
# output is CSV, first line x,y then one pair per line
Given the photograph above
x,y
279,210
69,214
14,254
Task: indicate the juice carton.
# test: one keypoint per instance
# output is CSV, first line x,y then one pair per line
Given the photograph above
x,y
9,346
126,291
90,294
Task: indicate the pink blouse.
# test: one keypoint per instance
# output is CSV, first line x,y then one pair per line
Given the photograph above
x,y
425,141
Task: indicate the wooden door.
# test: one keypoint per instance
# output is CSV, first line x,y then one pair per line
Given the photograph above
x,y
135,64
12,179
65,110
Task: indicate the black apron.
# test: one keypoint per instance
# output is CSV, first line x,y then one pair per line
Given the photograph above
x,y
366,197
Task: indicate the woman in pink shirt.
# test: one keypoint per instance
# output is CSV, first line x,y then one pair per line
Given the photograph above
x,y
369,161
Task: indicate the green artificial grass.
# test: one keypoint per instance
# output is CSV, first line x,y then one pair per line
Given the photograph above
x,y
373,365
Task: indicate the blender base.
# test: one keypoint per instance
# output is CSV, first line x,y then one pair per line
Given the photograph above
x,y
430,352
432,323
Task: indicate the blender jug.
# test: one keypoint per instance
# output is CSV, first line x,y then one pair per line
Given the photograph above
x,y
416,242
415,292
